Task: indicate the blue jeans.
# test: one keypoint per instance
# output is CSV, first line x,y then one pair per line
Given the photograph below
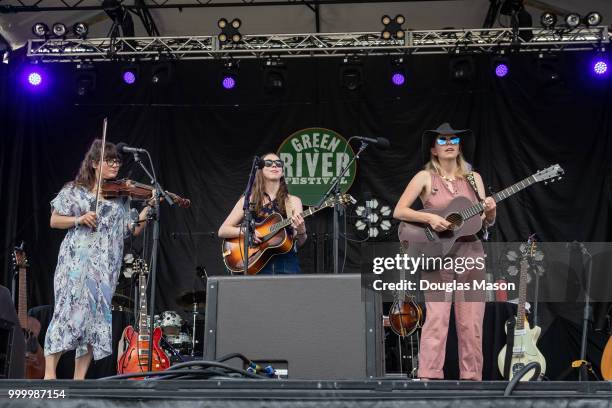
x,y
282,264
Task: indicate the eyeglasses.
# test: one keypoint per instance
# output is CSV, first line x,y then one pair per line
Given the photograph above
x,y
442,140
113,162
270,163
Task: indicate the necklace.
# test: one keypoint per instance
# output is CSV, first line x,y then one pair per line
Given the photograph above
x,y
448,178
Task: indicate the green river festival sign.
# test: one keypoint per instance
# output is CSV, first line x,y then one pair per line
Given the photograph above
x,y
313,157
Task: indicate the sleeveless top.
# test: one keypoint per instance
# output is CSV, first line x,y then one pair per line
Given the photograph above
x,y
441,195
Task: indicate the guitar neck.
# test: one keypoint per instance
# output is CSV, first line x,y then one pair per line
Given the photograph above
x,y
143,326
286,222
520,314
499,196
23,297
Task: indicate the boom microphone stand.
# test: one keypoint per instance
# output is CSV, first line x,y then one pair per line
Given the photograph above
x,y
334,189
248,215
153,215
583,373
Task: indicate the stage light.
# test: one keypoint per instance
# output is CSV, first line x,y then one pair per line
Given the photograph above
x,y
392,27
80,30
59,30
572,20
40,30
161,73
229,81
548,20
372,217
34,78
274,75
398,72
461,68
351,74
600,66
547,69
229,31
501,66
592,19
129,77
85,80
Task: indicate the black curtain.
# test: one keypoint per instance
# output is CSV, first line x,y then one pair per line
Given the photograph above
x,y
202,139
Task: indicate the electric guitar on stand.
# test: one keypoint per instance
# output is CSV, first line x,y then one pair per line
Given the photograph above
x,y
274,241
134,344
524,349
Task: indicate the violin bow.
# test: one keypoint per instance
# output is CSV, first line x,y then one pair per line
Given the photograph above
x,y
102,152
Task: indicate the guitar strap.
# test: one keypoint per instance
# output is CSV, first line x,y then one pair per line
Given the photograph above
x,y
510,324
470,178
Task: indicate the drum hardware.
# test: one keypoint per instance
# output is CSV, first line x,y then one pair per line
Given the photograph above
x,y
196,300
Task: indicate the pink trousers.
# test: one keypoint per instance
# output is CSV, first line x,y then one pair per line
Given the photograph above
x,y
468,318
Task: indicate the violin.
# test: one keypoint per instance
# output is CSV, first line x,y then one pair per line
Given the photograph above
x,y
137,191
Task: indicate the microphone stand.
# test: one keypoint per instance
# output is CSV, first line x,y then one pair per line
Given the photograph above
x,y
248,216
334,189
153,215
583,373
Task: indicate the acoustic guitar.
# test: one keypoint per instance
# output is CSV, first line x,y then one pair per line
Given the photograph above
x,y
606,360
524,350
134,344
34,356
274,241
463,216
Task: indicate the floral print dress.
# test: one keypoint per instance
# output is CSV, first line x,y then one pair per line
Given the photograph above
x,y
87,271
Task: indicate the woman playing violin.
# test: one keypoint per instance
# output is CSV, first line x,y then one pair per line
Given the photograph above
x,y
88,264
270,194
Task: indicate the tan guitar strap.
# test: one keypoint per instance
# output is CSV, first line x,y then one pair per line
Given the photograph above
x,y
470,178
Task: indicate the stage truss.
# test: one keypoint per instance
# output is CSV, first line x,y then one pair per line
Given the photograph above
x,y
480,40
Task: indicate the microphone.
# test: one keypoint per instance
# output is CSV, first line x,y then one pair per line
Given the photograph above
x,y
382,142
124,148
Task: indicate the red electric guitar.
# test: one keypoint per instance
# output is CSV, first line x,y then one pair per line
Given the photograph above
x,y
134,345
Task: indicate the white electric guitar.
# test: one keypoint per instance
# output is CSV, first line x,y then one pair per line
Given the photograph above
x,y
524,350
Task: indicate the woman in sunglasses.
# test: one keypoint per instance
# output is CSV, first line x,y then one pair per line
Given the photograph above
x,y
88,264
446,176
271,195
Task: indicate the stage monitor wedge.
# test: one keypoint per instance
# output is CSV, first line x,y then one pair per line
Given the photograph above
x,y
308,326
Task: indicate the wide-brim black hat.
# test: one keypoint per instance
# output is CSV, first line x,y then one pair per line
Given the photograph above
x,y
468,144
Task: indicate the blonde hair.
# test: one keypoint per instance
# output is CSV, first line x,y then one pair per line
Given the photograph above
x,y
463,167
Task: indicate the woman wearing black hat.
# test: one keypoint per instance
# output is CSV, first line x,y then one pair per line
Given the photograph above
x,y
446,176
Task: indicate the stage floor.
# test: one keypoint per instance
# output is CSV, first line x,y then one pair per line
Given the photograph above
x,y
292,393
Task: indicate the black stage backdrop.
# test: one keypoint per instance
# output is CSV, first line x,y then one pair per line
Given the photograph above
x,y
202,139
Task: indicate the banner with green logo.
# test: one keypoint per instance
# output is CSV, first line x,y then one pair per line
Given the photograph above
x,y
313,157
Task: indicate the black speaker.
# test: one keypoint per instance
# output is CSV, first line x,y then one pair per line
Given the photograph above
x,y
305,326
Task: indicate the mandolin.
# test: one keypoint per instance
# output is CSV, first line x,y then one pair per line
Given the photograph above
x,y
274,241
34,356
134,344
405,314
464,217
524,350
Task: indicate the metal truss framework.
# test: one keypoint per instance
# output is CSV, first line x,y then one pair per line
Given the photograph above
x,y
320,45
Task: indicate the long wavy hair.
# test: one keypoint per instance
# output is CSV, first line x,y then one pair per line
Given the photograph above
x,y
258,195
86,176
463,167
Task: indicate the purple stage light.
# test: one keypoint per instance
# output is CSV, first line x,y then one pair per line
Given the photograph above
x,y
600,67
129,77
501,70
34,78
398,79
228,82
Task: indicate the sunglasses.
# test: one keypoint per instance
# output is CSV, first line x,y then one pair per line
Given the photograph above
x,y
270,163
113,162
441,140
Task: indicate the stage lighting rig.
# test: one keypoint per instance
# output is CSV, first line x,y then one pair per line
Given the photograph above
x,y
85,79
461,68
398,71
373,218
161,73
229,31
393,27
572,20
592,19
229,75
547,69
130,74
